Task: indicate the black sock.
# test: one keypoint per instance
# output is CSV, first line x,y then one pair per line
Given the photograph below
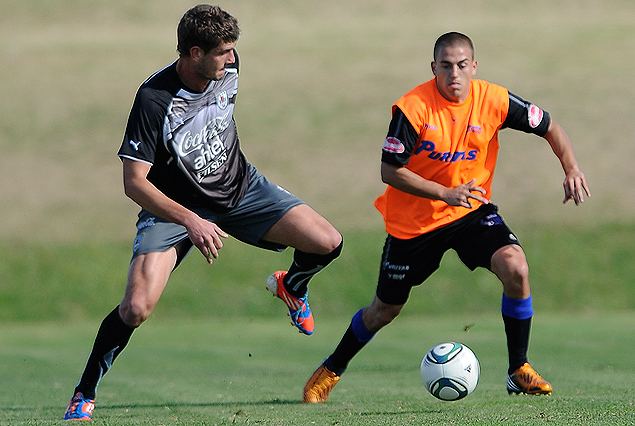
x,y
304,267
112,337
348,347
354,339
517,332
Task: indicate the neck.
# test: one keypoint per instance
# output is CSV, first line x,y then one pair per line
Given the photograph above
x,y
188,75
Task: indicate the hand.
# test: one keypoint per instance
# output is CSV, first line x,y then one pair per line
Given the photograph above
x,y
206,236
574,186
460,195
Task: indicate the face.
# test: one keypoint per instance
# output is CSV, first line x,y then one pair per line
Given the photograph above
x,y
211,65
454,68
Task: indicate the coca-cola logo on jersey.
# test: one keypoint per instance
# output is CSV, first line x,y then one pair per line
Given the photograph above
x,y
195,141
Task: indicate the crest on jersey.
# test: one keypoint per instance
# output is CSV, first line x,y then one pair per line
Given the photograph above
x,y
222,100
535,116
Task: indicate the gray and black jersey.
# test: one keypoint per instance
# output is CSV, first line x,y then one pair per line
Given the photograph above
x,y
189,139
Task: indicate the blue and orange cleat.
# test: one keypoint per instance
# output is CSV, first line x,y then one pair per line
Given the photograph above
x,y
80,408
299,311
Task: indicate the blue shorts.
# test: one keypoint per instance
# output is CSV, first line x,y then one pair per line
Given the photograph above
x,y
263,205
407,263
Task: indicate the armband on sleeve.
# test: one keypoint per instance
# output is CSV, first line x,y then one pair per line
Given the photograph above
x,y
526,117
400,140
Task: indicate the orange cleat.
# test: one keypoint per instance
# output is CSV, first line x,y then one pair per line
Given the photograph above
x,y
319,386
526,380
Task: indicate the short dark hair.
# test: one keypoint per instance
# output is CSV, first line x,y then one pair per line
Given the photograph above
x,y
452,39
207,27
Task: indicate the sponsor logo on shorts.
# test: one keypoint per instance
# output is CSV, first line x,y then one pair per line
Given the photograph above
x,y
492,219
396,272
146,223
137,242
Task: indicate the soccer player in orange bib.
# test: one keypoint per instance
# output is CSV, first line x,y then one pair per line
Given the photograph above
x,y
438,160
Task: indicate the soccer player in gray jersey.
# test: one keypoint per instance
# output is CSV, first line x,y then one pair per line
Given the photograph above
x,y
183,165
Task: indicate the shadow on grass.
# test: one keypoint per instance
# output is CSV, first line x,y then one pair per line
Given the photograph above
x,y
167,404
202,404
227,404
28,414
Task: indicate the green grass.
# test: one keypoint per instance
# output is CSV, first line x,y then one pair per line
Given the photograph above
x,y
222,372
571,270
317,82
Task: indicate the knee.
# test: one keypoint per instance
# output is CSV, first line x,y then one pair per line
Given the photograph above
x,y
510,263
512,269
147,278
134,313
516,285
516,271
335,243
332,243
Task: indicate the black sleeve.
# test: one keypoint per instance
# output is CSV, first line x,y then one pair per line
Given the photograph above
x,y
526,117
143,131
400,141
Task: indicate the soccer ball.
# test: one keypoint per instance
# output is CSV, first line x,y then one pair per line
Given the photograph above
x,y
450,371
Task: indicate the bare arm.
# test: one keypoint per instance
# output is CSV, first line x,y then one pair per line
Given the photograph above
x,y
205,235
574,182
407,181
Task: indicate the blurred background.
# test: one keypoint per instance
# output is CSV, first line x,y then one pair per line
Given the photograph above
x,y
317,83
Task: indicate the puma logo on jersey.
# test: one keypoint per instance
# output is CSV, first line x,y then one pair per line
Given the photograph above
x,y
135,145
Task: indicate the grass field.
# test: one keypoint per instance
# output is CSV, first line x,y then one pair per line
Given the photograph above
x,y
572,270
252,372
317,82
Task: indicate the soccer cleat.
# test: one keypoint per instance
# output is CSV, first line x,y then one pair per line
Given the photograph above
x,y
299,311
319,386
80,408
526,380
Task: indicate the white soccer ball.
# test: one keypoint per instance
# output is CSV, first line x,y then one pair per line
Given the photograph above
x,y
450,371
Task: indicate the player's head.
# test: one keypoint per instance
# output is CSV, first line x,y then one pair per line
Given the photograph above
x,y
452,39
454,66
207,27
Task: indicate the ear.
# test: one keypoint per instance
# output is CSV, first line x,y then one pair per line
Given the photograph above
x,y
475,65
196,53
433,66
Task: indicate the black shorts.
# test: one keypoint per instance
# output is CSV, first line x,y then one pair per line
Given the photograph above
x,y
407,263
